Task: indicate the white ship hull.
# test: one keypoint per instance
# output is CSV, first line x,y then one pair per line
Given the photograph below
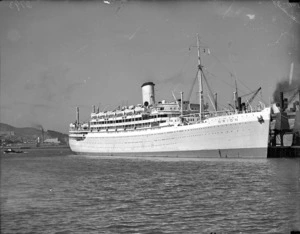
x,y
238,135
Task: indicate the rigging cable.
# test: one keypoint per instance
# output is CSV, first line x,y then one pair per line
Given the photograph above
x,y
191,90
210,94
212,75
230,72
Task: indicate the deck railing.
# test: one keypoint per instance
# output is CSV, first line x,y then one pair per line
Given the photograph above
x,y
122,127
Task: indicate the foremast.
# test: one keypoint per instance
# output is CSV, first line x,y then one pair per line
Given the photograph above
x,y
199,73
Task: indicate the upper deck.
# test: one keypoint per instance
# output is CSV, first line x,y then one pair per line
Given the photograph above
x,y
154,120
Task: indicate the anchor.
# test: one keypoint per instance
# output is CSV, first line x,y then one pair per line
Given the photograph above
x,y
260,119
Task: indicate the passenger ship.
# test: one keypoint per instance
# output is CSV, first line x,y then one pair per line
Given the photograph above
x,y
174,129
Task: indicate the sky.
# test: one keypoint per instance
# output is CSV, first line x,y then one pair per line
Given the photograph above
x,y
56,55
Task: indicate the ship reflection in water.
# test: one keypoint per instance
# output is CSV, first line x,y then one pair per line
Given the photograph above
x,y
88,194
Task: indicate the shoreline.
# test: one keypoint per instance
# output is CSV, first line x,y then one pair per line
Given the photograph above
x,y
33,150
33,146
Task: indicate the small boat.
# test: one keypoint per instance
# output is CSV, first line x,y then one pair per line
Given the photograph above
x,y
12,151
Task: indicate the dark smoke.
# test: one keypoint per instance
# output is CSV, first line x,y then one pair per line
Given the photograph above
x,y
40,127
284,86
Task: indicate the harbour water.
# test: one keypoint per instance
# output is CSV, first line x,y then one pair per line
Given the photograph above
x,y
47,191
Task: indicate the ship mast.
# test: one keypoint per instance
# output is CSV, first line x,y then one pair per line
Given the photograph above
x,y
236,95
200,79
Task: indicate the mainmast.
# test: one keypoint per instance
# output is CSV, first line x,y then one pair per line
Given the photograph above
x,y
236,95
200,79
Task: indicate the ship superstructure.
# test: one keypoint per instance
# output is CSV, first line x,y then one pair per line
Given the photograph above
x,y
177,128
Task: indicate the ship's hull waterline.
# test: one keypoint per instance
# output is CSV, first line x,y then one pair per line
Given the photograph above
x,y
230,136
221,153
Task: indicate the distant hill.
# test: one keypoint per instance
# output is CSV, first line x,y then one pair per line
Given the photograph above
x,y
30,133
6,127
54,134
22,132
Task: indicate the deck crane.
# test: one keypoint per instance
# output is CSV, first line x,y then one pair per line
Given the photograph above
x,y
252,97
230,105
176,101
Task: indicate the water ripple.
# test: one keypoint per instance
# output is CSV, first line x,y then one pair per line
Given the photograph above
x,y
72,194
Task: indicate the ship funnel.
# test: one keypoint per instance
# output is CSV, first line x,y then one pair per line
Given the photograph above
x,y
239,103
148,93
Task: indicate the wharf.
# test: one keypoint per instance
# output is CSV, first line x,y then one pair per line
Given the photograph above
x,y
283,152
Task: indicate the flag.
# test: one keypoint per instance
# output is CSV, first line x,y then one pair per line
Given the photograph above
x,y
206,51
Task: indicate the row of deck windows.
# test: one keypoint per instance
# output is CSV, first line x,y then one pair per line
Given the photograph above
x,y
127,120
131,126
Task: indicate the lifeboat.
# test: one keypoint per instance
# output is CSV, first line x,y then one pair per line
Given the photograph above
x,y
129,112
119,113
101,114
85,125
139,109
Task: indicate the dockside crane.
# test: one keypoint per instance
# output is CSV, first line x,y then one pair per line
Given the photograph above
x,y
293,96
